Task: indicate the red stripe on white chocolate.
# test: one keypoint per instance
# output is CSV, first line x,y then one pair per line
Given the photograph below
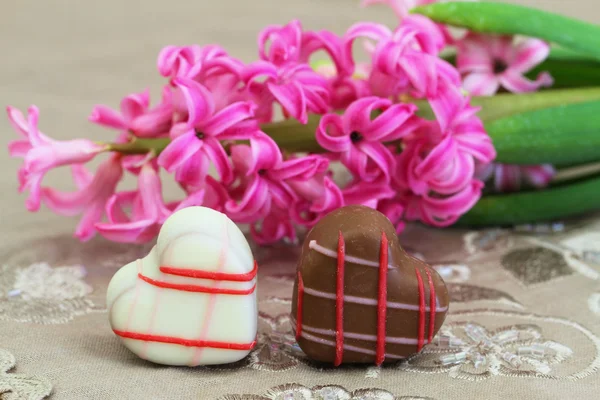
x,y
348,347
212,275
185,342
339,301
213,298
421,332
369,302
196,288
382,300
431,304
299,301
351,259
152,320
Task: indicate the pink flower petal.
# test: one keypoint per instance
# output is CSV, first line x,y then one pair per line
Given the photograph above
x,y
254,204
357,117
284,42
528,54
473,55
292,99
135,105
17,121
539,176
382,159
445,211
438,158
19,148
391,123
114,206
216,153
193,172
368,30
507,178
515,82
179,151
330,134
228,117
198,100
365,192
481,84
303,168
128,232
265,153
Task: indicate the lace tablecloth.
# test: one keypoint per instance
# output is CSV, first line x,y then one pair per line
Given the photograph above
x,y
525,315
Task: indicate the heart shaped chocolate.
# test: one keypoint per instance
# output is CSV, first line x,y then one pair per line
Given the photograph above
x,y
359,297
192,300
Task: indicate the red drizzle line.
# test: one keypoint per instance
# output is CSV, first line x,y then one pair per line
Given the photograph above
x,y
195,288
431,306
217,276
421,336
339,301
299,300
185,342
382,300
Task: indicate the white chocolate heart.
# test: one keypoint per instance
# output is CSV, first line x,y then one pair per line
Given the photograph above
x,y
192,300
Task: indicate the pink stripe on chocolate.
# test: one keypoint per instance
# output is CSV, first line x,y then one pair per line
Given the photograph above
x,y
299,300
382,300
431,305
339,302
421,333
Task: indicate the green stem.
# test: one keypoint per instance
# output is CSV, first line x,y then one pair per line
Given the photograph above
x,y
535,206
140,146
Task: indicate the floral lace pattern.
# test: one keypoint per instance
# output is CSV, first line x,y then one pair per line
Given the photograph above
x,y
42,294
294,391
20,386
491,333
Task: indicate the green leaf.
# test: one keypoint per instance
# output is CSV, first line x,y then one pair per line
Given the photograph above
x,y
569,74
506,104
536,206
562,136
502,18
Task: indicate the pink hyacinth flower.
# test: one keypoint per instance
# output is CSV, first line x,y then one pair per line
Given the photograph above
x,y
148,210
445,211
488,62
456,117
511,178
209,65
358,139
135,117
405,61
274,226
394,209
296,87
265,179
280,44
41,154
91,198
188,61
367,193
326,196
197,141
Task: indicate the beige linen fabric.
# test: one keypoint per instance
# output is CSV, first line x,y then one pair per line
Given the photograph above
x,y
525,317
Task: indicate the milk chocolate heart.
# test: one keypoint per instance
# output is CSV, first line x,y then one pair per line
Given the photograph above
x,y
359,297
